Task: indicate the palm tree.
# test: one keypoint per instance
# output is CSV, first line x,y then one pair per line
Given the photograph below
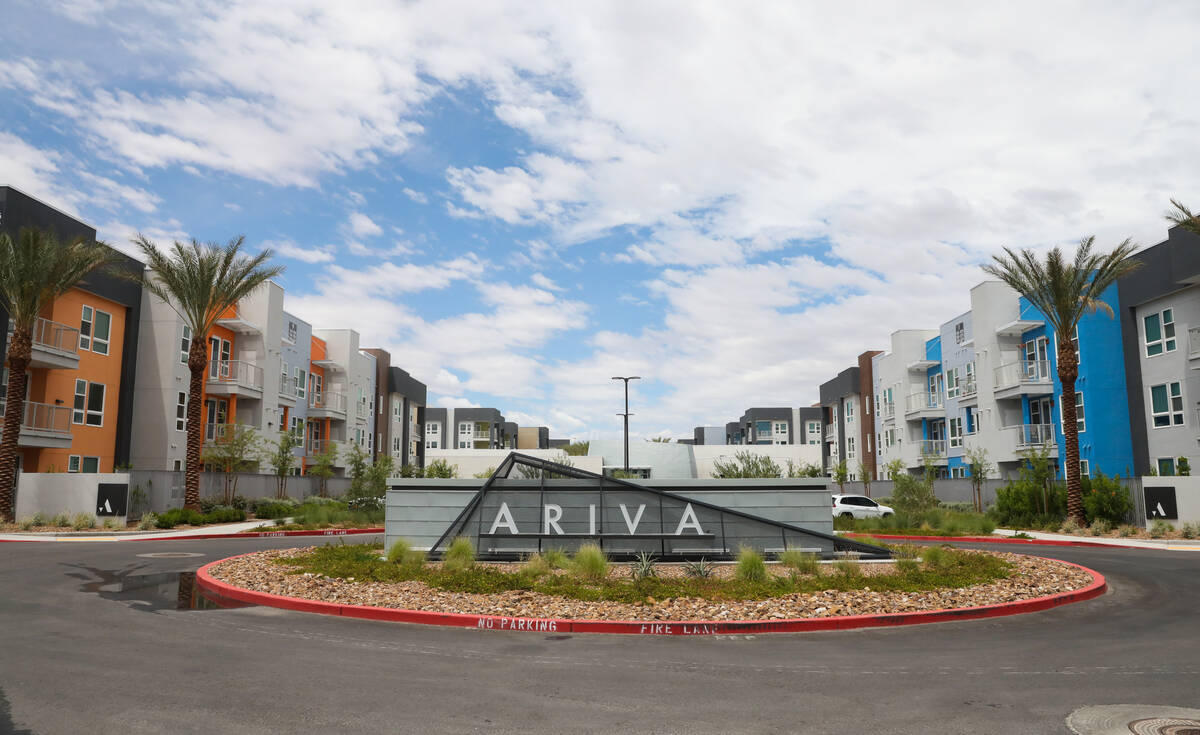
x,y
1183,217
200,281
34,271
1064,292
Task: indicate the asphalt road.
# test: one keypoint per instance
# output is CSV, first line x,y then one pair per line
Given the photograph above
x,y
78,655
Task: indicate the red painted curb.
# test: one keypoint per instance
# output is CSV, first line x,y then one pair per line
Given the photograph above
x,y
999,540
201,536
220,591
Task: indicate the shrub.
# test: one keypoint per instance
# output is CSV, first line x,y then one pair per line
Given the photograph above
x,y
912,495
702,569
396,554
935,557
179,517
26,524
590,562
908,567
224,514
39,519
1069,526
83,521
460,556
1126,530
207,505
1106,498
750,566
556,558
1101,527
62,520
148,521
1160,528
1034,499
642,567
1190,530
848,567
269,509
536,565
802,562
108,523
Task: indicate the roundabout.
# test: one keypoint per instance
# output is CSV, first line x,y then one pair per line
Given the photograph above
x,y
99,644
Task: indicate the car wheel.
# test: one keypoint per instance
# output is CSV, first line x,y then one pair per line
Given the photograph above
x,y
887,515
847,515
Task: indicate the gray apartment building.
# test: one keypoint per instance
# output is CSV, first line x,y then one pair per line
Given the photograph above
x,y
848,413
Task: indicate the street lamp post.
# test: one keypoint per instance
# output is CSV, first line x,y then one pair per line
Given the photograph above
x,y
626,415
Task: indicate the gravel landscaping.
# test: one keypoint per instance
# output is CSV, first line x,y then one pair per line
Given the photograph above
x,y
1031,578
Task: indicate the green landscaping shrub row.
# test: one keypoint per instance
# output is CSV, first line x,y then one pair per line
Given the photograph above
x,y
184,517
942,568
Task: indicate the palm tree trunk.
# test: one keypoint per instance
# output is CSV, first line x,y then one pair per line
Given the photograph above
x,y
1068,371
20,350
197,364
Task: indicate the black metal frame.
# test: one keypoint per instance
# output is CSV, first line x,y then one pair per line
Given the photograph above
x,y
515,459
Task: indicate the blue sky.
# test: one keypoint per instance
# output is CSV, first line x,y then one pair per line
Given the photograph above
x,y
521,200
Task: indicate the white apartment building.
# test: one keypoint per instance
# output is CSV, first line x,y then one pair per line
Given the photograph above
x,y
910,424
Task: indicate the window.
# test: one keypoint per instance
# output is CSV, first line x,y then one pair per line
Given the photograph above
x,y
216,413
89,403
969,383
181,411
814,432
185,344
298,427
1159,332
73,463
849,410
220,349
956,432
850,451
972,425
952,383
960,333
283,377
1085,468
91,465
397,409
1166,405
432,429
867,403
958,472
301,377
868,443
94,329
178,465
316,387
781,428
291,331
1166,466
395,444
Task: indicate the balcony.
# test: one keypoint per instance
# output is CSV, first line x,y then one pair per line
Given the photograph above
x,y
362,410
923,405
1194,343
1023,378
1033,436
44,425
887,411
55,346
288,389
234,378
934,449
831,432
327,405
968,393
313,447
238,323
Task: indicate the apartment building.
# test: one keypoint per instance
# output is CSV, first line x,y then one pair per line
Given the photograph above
x,y
1160,342
468,428
847,409
702,435
353,373
399,414
533,437
910,423
765,425
78,401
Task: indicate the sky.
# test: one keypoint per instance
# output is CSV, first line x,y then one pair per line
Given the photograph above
x,y
521,200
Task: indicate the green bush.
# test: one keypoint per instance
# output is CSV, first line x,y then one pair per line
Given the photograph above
x,y
932,522
179,517
642,567
224,514
702,569
1126,530
1069,526
536,565
556,558
848,567
1025,503
1160,528
1105,498
460,556
270,509
750,566
935,557
149,520
83,521
62,520
908,567
27,524
207,505
1100,527
802,562
590,562
1189,530
39,519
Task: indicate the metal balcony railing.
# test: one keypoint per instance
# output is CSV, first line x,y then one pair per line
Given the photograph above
x,y
1016,373
237,372
481,436
922,401
44,417
55,336
933,447
288,387
968,389
327,400
887,409
1030,436
830,431
1194,342
362,410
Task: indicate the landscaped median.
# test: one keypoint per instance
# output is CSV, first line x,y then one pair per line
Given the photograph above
x,y
357,582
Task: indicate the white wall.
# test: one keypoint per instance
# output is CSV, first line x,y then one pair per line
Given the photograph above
x,y
473,461
1187,496
59,492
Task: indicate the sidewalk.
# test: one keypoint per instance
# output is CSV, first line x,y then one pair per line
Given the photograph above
x,y
1135,543
222,528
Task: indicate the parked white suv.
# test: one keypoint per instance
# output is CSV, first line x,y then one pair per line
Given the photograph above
x,y
859,506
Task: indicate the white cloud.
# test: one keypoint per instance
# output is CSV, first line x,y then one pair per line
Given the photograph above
x,y
541,281
289,249
363,226
416,196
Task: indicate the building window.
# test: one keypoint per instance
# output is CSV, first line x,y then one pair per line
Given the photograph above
x,y
177,466
291,332
956,432
185,345
283,377
73,463
972,425
90,465
1085,468
849,412
869,450
1080,419
1166,405
301,380
1166,466
216,413
89,403
960,333
181,411
298,427
952,383
1160,332
397,409
850,451
781,428
94,329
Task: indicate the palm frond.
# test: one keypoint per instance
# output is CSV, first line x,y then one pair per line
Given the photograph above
x,y
36,269
1184,217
